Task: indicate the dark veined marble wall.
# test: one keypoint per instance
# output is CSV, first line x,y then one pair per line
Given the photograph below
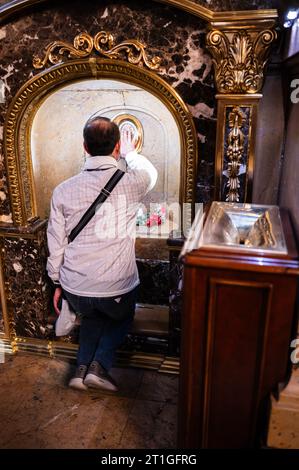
x,y
28,291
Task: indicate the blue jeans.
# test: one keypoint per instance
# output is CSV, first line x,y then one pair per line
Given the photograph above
x,y
104,325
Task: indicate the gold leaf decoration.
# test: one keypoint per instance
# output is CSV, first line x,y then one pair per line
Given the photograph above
x,y
101,44
240,59
235,148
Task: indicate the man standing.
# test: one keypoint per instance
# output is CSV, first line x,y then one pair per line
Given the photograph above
x,y
97,272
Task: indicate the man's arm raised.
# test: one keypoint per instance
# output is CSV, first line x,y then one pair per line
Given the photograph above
x,y
138,162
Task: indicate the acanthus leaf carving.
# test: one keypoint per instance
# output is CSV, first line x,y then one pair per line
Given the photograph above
x,y
101,44
235,148
239,59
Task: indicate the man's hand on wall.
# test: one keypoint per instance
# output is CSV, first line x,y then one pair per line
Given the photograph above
x,y
128,143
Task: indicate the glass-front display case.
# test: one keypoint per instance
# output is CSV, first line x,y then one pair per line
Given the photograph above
x,y
244,226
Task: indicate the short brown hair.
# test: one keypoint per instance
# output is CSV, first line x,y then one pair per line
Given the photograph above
x,y
100,136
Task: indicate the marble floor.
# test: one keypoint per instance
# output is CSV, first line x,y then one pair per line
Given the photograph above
x,y
284,421
38,410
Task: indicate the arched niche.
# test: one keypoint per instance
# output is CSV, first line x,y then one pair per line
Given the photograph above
x,y
23,109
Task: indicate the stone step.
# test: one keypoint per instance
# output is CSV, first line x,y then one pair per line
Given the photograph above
x,y
151,320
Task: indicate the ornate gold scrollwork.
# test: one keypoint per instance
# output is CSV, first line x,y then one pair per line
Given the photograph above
x,y
239,58
235,141
102,44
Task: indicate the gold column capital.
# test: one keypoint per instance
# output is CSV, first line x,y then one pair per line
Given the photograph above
x,y
240,53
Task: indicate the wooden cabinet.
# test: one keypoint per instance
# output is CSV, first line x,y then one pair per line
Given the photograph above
x,y
238,315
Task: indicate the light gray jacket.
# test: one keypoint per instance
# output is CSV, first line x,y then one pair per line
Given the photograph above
x,y
100,262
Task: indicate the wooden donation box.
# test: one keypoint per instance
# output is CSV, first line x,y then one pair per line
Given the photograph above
x,y
239,290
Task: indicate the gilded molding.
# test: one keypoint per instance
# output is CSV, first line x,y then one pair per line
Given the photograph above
x,y
101,44
9,324
26,102
124,117
236,134
235,148
17,6
16,199
239,58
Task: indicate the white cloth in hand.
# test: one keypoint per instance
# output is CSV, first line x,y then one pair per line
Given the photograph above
x,y
66,320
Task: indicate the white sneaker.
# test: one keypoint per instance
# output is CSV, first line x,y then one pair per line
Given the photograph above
x,y
97,377
77,381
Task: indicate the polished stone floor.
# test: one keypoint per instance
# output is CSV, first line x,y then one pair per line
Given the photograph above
x,y
38,410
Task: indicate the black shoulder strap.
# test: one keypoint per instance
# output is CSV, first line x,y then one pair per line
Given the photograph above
x,y
104,194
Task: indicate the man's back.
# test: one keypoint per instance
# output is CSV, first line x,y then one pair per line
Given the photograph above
x,y
96,273
100,262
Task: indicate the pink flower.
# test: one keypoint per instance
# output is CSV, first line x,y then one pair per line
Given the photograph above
x,y
154,219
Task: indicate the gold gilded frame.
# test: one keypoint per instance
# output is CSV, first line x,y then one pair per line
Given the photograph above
x,y
128,117
22,110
